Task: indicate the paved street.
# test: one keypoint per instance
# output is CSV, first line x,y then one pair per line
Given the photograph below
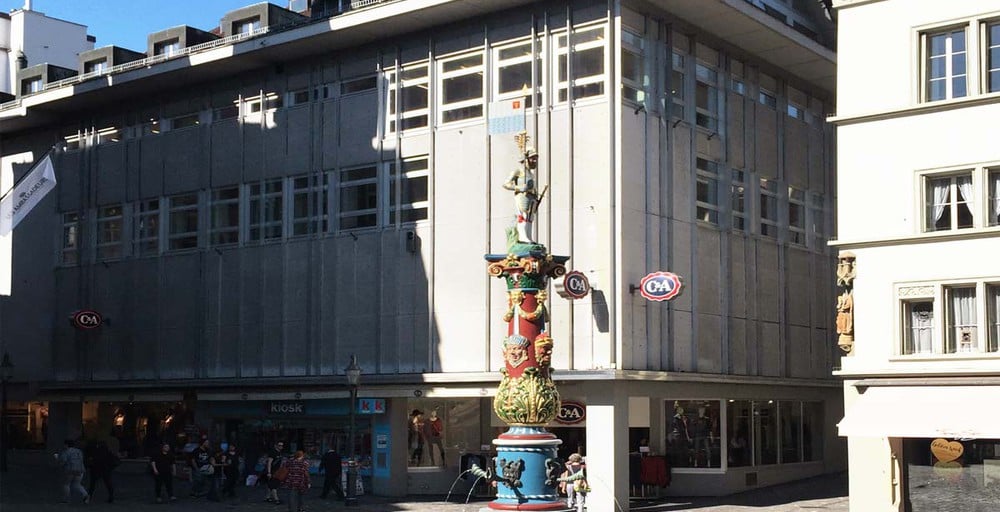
x,y
32,485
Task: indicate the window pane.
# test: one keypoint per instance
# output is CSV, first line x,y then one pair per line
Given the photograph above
x,y
739,419
993,318
693,433
958,41
588,62
961,333
460,88
958,87
791,425
514,77
918,327
812,431
937,67
766,432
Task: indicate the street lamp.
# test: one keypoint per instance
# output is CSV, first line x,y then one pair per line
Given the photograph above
x,y
353,372
6,369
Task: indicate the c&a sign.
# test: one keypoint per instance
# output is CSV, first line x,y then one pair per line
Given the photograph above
x,y
571,413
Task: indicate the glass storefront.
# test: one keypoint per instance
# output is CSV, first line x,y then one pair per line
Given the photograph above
x,y
693,434
441,430
952,474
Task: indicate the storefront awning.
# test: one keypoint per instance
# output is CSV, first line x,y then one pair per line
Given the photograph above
x,y
925,411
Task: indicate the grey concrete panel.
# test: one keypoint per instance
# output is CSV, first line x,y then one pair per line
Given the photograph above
x,y
799,352
298,281
144,363
735,120
588,10
111,178
459,38
708,276
738,346
177,352
766,279
508,25
227,358
105,347
684,342
298,132
737,276
251,349
802,287
360,62
272,283
253,152
359,129
817,168
226,152
683,168
681,263
151,161
329,134
709,344
276,143
180,284
68,166
796,152
709,144
132,169
770,357
183,161
766,142
296,360
64,353
145,309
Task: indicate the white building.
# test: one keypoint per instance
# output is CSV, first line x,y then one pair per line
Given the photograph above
x,y
39,39
919,208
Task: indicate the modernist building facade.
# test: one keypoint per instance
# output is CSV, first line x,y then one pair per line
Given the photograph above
x,y
29,37
248,213
919,209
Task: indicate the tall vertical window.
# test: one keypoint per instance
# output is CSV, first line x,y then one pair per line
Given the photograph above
x,y
961,335
309,205
182,225
513,65
993,57
993,317
109,232
167,48
796,216
266,210
768,208
246,26
707,191
461,86
634,77
817,216
993,208
738,199
918,326
948,201
358,197
71,238
580,63
945,65
147,227
407,97
676,86
224,224
408,196
706,87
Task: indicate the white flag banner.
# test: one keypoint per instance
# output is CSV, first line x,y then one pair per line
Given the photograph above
x,y
16,205
507,116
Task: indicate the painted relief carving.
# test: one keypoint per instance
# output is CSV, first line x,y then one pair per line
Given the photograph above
x,y
846,273
916,291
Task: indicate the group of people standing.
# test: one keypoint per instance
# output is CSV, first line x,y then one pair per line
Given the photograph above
x,y
214,473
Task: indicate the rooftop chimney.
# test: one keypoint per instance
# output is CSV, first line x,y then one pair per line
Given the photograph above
x,y
27,5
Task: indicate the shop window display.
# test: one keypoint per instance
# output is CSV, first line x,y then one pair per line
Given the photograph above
x,y
693,434
952,471
441,431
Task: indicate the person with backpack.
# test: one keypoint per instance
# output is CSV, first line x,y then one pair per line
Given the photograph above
x,y
102,462
273,472
71,462
574,481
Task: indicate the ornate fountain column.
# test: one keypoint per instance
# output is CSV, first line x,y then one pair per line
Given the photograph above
x,y
527,464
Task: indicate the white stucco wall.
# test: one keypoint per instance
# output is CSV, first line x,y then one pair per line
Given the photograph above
x,y
42,39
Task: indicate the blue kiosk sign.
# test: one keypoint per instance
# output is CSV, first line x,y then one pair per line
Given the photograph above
x,y
660,286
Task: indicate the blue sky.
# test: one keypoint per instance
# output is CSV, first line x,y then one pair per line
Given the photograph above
x,y
126,23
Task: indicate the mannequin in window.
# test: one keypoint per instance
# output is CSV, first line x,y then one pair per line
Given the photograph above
x,y
679,438
703,431
416,436
433,433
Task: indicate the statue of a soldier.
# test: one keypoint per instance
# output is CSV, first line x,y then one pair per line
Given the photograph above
x,y
522,182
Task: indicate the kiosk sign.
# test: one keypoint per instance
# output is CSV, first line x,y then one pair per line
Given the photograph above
x,y
660,286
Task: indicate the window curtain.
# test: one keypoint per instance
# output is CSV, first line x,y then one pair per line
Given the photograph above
x,y
963,320
965,187
994,318
940,192
921,329
996,198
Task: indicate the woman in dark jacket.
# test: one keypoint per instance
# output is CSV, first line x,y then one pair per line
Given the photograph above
x,y
101,462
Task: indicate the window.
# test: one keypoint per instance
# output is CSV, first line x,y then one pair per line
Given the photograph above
x,y
707,191
993,318
32,85
993,57
407,97
737,197
269,101
790,415
309,205
109,135
767,98
766,95
693,433
147,227
513,70
970,477
739,419
226,112
738,86
706,88
298,97
71,238
266,210
817,214
167,48
918,326
634,78
768,208
676,87
461,86
812,431
246,26
408,197
109,232
185,121
95,66
148,124
182,225
993,207
757,428
948,201
584,73
72,141
796,216
356,85
358,197
944,64
224,213
765,427
960,334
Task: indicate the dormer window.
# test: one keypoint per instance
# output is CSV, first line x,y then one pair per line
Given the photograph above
x,y
168,47
246,26
95,66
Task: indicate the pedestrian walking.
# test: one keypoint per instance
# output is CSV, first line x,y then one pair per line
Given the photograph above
x,y
71,461
101,462
330,466
216,461
574,480
231,470
201,469
272,465
162,466
297,481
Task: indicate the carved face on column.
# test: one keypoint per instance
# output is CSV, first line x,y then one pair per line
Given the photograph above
x,y
515,350
543,349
